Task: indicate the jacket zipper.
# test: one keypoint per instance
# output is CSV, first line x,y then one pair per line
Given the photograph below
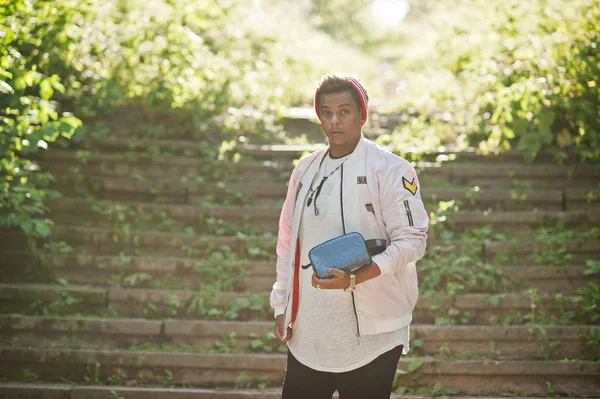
x,y
344,229
356,315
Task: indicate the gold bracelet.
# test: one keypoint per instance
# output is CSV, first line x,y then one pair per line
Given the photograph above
x,y
352,286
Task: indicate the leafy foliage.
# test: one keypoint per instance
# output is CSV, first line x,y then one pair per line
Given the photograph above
x,y
201,67
460,268
342,19
501,75
544,88
36,41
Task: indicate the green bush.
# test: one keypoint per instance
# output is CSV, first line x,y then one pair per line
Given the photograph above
x,y
544,90
182,60
188,66
502,75
35,42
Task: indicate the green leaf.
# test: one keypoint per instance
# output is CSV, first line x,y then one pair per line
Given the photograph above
x,y
50,133
66,130
42,227
6,74
6,88
43,115
415,365
46,90
62,282
153,307
400,390
71,120
495,301
256,343
28,78
56,84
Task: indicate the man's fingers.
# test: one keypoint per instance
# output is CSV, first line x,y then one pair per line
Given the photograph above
x,y
338,281
277,333
289,336
338,273
279,329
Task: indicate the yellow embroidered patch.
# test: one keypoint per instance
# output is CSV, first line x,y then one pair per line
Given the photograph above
x,y
410,186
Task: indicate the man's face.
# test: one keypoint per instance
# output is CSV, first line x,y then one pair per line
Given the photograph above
x,y
341,120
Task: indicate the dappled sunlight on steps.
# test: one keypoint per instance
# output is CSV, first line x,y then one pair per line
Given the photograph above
x,y
122,302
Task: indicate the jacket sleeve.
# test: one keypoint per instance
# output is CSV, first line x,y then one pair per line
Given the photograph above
x,y
278,292
404,216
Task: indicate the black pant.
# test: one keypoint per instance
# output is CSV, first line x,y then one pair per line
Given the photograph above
x,y
371,381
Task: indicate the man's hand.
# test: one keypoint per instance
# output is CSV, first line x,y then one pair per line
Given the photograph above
x,y
339,281
279,329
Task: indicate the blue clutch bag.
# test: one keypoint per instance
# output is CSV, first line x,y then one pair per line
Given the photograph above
x,y
347,252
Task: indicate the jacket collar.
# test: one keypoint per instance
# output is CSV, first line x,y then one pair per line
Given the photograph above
x,y
315,164
358,152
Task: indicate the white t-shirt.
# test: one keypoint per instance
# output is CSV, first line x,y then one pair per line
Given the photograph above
x,y
325,331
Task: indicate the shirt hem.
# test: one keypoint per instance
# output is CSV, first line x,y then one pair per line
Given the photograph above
x,y
357,365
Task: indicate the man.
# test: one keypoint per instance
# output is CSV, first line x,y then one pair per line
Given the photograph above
x,y
347,333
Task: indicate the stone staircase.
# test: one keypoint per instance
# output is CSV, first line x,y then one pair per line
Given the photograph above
x,y
156,282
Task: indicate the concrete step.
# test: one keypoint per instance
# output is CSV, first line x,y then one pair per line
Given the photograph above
x,y
98,213
555,173
520,187
466,342
285,152
102,240
520,223
57,391
73,210
550,176
64,391
293,151
473,377
150,166
110,241
118,271
74,391
152,303
440,154
511,176
170,146
168,190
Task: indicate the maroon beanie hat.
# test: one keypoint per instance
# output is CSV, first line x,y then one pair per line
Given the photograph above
x,y
362,94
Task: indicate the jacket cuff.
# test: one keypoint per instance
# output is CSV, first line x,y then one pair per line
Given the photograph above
x,y
384,264
279,310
